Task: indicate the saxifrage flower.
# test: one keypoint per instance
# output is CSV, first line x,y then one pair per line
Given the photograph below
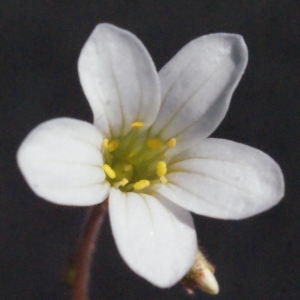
x,y
148,151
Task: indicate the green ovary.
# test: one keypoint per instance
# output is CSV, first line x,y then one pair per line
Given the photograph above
x,y
133,162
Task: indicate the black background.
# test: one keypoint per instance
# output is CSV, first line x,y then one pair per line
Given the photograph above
x,y
257,258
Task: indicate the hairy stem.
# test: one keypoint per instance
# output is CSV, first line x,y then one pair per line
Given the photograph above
x,y
87,245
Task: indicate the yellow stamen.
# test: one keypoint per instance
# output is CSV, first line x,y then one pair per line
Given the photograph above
x,y
128,168
161,168
141,184
109,171
172,143
124,181
137,124
105,143
163,179
113,145
154,144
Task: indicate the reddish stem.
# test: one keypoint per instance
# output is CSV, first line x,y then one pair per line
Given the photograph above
x,y
87,245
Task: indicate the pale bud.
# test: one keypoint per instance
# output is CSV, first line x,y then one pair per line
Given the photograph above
x,y
201,276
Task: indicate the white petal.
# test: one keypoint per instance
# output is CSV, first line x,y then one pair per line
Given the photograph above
x,y
119,80
61,161
224,179
155,237
197,85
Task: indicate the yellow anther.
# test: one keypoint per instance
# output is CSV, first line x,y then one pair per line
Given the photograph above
x,y
109,171
154,144
141,184
172,143
113,145
124,181
161,168
128,168
105,143
163,179
137,124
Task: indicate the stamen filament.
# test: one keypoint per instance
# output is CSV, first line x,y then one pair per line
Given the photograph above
x,y
163,179
147,158
127,144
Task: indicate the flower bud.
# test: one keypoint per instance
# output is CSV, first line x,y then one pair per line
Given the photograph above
x,y
201,276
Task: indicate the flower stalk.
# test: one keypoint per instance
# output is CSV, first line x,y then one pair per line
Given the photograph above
x,y
94,221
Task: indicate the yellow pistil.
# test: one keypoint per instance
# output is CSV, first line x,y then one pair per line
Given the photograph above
x,y
141,184
124,181
163,179
113,145
105,143
172,143
161,168
109,171
154,144
137,124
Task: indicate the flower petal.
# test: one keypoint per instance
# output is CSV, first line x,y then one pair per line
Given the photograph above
x,y
155,237
119,80
224,179
197,85
61,161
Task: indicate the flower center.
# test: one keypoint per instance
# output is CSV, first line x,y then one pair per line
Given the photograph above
x,y
134,162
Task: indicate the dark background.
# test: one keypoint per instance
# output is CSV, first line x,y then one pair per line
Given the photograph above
x,y
40,40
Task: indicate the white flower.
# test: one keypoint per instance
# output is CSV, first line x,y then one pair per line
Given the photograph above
x,y
148,150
